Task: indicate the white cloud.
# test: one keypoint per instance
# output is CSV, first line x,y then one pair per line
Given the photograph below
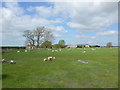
x,y
86,17
83,17
57,35
85,37
107,33
60,29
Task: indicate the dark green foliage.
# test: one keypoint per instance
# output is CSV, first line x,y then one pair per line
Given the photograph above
x,y
61,42
79,46
46,44
109,44
94,46
58,46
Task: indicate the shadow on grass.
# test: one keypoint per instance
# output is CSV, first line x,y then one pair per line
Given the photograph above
x,y
4,76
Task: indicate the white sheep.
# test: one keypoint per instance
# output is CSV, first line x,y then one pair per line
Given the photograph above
x,y
53,51
50,58
59,49
83,51
25,50
92,49
18,51
53,57
12,62
45,59
56,50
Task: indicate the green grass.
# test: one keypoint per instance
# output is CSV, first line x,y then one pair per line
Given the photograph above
x,y
64,72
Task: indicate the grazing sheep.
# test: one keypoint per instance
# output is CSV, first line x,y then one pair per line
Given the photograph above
x,y
18,51
53,57
25,50
92,49
56,50
49,58
83,51
49,49
3,60
12,62
45,59
59,49
52,50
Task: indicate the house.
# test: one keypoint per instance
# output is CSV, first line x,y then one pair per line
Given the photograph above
x,y
71,46
30,47
86,46
83,46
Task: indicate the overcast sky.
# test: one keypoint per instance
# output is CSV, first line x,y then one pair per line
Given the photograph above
x,y
93,23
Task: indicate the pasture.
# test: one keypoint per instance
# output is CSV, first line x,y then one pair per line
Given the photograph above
x,y
30,71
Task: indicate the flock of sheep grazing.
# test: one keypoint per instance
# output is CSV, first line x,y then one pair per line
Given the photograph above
x,y
49,58
54,50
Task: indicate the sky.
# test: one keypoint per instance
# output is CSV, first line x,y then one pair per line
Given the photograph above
x,y
94,23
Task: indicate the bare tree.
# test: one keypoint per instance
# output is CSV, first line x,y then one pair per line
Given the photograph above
x,y
48,36
39,34
30,37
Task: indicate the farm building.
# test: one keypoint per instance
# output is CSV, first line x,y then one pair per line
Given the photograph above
x,y
30,47
71,46
83,46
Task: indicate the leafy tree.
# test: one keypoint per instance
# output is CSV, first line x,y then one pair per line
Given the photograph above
x,y
57,46
109,44
61,42
46,44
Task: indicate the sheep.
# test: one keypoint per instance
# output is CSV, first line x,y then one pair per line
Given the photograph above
x,y
18,51
92,49
59,49
12,62
56,50
83,51
45,59
49,49
49,58
53,57
3,61
25,50
52,50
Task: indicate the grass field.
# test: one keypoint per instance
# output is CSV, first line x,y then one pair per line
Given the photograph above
x,y
65,71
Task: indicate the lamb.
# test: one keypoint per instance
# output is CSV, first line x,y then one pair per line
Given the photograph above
x,y
92,49
59,49
18,51
12,62
54,50
45,59
83,51
49,58
25,50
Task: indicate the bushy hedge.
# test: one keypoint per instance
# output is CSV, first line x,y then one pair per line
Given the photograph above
x,y
59,46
